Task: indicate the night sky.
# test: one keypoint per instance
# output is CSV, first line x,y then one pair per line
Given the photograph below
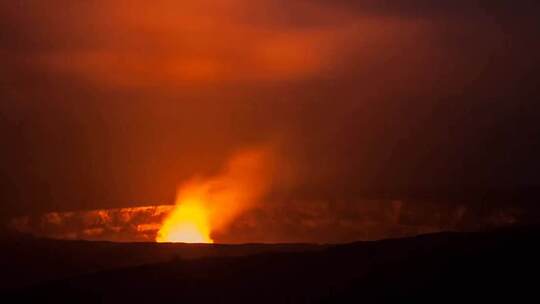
x,y
107,104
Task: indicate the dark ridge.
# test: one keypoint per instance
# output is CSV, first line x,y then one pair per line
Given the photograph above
x,y
442,267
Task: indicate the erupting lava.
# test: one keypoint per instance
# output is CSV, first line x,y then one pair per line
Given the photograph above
x,y
204,206
188,223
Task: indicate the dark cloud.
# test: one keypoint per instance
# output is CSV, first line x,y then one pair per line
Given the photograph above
x,y
113,104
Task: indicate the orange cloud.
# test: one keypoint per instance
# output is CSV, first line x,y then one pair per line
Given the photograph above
x,y
194,42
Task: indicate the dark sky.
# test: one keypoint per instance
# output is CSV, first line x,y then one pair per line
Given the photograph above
x,y
113,103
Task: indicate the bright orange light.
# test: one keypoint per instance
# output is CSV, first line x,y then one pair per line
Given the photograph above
x,y
188,223
209,205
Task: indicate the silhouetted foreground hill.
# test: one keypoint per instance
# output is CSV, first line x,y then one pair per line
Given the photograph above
x,y
445,267
25,260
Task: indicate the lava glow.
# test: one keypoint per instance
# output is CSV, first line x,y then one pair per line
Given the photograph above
x,y
188,223
207,205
